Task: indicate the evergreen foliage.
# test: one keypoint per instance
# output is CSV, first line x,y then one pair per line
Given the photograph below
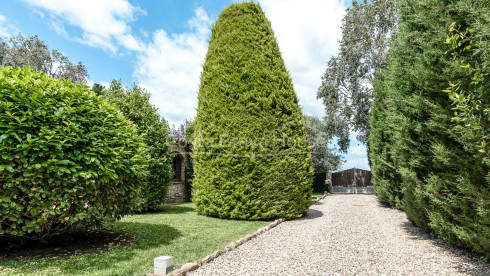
x,y
69,159
419,162
135,104
251,157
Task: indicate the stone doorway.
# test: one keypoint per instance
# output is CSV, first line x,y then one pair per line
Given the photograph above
x,y
177,190
178,168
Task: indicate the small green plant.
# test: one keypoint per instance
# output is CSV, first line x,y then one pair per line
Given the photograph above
x,y
482,258
435,237
69,159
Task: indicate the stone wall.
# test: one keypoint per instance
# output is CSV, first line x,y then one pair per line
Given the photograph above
x,y
176,193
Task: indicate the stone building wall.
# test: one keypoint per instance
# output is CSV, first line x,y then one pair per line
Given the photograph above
x,y
177,192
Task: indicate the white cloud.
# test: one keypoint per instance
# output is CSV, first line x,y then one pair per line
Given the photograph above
x,y
170,67
6,29
359,150
105,84
308,34
104,24
360,163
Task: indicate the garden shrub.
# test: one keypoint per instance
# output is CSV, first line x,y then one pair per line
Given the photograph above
x,y
419,161
69,159
135,104
251,156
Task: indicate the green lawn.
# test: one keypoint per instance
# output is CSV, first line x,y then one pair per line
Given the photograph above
x,y
175,231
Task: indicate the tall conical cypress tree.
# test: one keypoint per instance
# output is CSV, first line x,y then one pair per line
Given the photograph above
x,y
252,159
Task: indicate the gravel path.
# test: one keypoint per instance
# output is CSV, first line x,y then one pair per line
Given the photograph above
x,y
345,235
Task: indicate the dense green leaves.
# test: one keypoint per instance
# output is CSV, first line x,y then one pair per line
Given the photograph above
x,y
68,158
251,157
419,163
135,104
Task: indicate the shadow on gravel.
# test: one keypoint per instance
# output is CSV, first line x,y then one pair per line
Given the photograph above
x,y
470,263
311,214
383,205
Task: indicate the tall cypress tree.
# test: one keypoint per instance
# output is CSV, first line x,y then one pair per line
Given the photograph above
x,y
419,162
252,160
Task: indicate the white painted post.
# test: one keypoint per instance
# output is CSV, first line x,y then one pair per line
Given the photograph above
x,y
163,265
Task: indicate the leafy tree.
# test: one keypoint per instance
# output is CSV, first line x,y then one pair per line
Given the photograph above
x,y
69,160
251,156
189,130
324,158
182,131
135,104
347,85
419,162
97,88
31,51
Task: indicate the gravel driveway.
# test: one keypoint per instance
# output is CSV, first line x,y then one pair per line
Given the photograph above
x,y
345,235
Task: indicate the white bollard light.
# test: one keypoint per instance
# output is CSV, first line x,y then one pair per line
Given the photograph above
x,y
163,265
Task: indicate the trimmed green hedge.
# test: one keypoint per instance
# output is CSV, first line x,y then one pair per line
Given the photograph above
x,y
69,159
251,156
419,162
134,103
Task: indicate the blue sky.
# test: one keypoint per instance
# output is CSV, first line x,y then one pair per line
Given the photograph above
x,y
160,45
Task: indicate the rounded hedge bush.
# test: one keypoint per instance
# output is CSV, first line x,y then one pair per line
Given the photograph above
x,y
69,159
251,155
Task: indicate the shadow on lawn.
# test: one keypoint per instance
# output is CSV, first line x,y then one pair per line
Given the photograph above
x,y
469,263
106,255
169,209
148,236
70,244
177,209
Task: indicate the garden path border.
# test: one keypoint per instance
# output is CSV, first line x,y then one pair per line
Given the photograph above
x,y
188,267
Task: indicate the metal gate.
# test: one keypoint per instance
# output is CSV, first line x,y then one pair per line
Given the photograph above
x,y
352,181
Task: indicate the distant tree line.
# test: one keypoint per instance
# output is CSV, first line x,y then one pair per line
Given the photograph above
x,y
19,51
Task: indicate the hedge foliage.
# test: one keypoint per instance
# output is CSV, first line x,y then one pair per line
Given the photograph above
x,y
135,104
251,157
69,159
419,162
